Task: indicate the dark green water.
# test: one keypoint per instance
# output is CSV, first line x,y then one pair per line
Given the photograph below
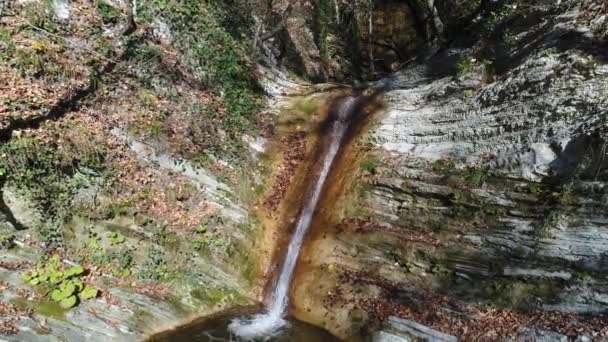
x,y
215,329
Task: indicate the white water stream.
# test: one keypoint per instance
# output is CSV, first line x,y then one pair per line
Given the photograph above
x,y
271,322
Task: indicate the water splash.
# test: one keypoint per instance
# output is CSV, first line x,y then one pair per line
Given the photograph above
x,y
271,323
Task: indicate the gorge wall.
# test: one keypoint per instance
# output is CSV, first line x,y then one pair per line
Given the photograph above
x,y
483,184
162,159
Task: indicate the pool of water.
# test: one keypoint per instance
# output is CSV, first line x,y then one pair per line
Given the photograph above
x,y
215,328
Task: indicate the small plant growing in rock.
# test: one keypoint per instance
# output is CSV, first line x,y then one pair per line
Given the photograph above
x,y
155,267
60,284
466,66
107,12
115,261
476,176
370,165
205,238
582,276
7,241
489,72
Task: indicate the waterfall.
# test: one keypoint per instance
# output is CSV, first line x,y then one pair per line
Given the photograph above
x,y
272,321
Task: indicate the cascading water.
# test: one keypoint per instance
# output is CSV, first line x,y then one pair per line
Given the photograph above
x,y
271,322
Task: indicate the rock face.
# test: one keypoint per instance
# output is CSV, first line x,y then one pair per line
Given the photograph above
x,y
107,164
542,123
476,203
398,330
486,183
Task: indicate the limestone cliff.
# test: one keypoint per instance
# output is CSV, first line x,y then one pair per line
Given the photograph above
x,y
483,184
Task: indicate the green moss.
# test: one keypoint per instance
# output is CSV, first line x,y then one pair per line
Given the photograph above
x,y
46,308
476,176
306,106
217,296
521,294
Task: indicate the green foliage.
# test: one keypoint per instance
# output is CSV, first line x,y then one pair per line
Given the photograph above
x,y
40,15
43,175
472,176
155,267
551,221
60,284
29,63
219,61
466,66
440,269
201,229
205,237
370,164
89,292
7,46
7,241
491,20
147,97
582,276
235,16
489,72
143,52
108,13
565,195
69,302
117,261
443,166
535,188
47,175
476,176
323,17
